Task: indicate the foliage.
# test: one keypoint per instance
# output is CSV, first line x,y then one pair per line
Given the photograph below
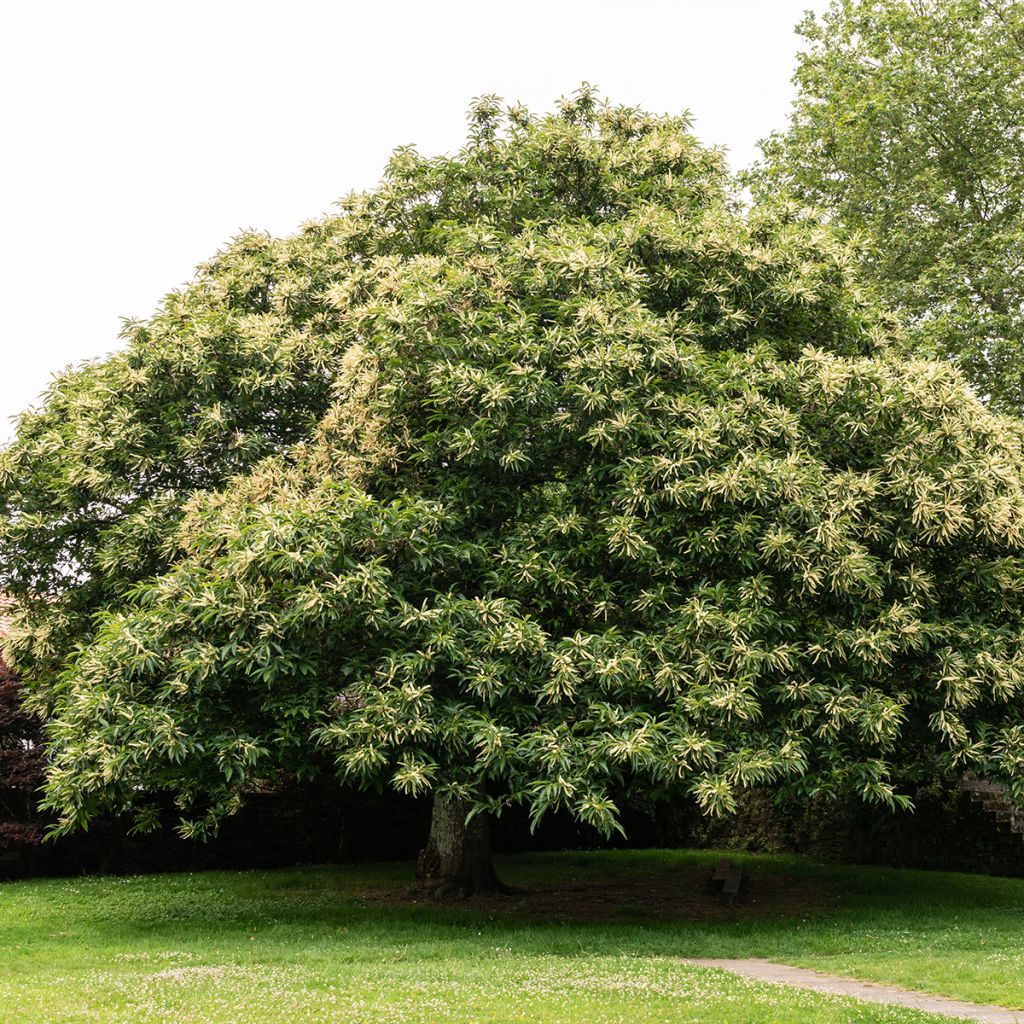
x,y
948,831
313,946
616,487
21,766
907,130
226,373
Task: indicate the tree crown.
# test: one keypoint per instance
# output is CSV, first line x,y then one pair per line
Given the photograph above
x,y
551,473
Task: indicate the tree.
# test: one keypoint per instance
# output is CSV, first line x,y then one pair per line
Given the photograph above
x,y
21,762
618,488
906,130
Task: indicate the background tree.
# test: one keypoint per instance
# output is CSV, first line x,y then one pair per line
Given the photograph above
x,y
21,762
616,488
906,129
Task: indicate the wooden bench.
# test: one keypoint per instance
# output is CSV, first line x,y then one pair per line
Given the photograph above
x,y
728,880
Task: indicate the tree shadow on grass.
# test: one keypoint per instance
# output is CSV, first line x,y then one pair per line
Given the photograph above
x,y
612,902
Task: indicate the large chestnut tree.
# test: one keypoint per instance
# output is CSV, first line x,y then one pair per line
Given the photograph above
x,y
540,473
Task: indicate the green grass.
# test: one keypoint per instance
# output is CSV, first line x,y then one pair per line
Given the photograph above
x,y
304,946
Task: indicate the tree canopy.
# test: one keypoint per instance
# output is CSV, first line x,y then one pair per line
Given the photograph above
x,y
21,761
541,472
906,130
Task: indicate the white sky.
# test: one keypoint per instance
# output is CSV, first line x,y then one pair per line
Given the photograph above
x,y
140,136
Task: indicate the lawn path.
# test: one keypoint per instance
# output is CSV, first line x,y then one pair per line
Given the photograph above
x,y
868,991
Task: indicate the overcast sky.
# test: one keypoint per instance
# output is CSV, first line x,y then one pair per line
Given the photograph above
x,y
140,136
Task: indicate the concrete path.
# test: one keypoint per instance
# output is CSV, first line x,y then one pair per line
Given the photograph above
x,y
801,977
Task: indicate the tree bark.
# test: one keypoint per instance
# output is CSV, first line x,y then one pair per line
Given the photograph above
x,y
456,862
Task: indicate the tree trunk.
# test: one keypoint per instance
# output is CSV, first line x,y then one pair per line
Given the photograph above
x,y
456,862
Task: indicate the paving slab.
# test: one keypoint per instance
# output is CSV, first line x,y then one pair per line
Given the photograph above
x,y
868,991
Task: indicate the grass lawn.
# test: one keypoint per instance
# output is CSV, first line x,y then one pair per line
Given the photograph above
x,y
335,945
